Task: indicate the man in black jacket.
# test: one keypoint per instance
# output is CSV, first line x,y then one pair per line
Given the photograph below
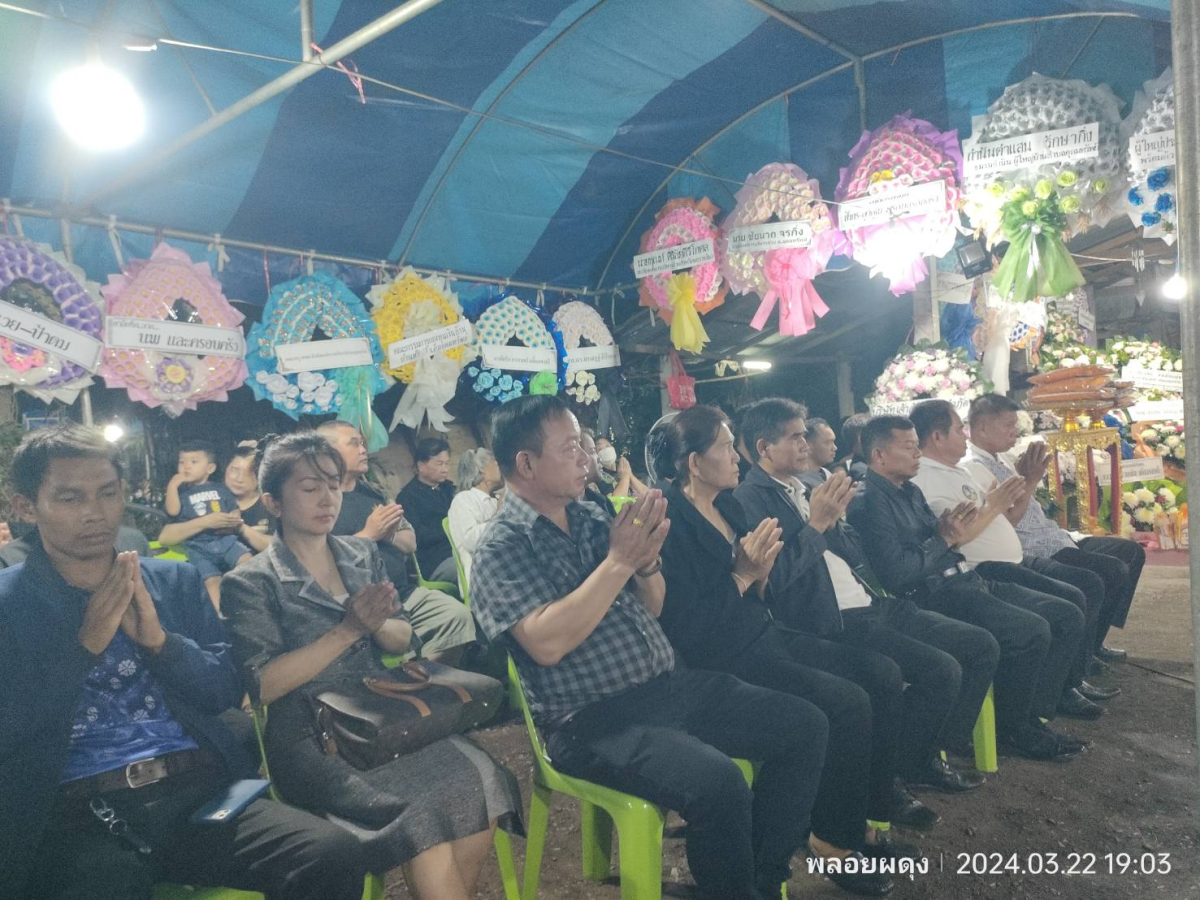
x,y
914,553
816,588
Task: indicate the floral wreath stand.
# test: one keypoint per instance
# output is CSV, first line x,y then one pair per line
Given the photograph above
x,y
501,322
1080,442
579,322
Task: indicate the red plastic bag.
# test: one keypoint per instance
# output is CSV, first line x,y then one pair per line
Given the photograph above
x,y
680,385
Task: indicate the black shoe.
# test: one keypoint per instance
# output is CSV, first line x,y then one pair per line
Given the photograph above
x,y
1095,693
961,751
1034,743
941,776
1077,706
1112,654
1096,667
875,884
1067,744
887,847
910,813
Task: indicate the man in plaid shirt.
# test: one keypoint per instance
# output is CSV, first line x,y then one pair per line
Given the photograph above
x,y
578,594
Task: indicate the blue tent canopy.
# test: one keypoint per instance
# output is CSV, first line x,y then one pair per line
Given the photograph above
x,y
523,139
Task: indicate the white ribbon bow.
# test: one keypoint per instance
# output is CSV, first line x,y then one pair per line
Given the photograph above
x,y
432,387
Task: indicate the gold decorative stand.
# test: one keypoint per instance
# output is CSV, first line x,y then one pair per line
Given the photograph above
x,y
1081,442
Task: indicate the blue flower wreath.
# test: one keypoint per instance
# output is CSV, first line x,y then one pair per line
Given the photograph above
x,y
1164,203
1135,197
1158,179
496,386
1150,219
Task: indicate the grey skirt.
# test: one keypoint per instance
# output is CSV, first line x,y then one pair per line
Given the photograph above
x,y
443,792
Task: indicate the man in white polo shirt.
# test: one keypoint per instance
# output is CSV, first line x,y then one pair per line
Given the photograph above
x,y
997,556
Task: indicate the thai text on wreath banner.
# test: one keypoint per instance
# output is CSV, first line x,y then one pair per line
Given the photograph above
x,y
336,353
672,259
589,358
33,330
962,406
430,343
1142,469
1153,379
1063,145
127,333
1152,151
519,359
771,236
895,203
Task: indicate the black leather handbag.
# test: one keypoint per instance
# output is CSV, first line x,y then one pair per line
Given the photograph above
x,y
380,719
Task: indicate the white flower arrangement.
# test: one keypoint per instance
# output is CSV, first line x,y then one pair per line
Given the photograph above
x,y
581,387
1144,506
1167,439
928,372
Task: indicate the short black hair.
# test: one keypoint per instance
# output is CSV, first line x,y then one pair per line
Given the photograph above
x,y
694,430
930,417
200,446
764,420
520,425
880,431
39,448
428,448
987,405
812,426
852,431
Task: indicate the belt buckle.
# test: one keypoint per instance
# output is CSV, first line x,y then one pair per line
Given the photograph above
x,y
145,771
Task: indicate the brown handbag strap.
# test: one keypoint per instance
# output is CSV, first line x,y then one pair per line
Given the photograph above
x,y
386,687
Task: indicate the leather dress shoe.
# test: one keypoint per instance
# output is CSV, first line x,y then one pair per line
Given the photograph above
x,y
887,847
941,776
909,812
1112,654
1097,666
1035,743
1095,693
1074,704
874,884
1066,743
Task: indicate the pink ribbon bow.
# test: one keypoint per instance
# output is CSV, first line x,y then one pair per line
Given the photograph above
x,y
789,273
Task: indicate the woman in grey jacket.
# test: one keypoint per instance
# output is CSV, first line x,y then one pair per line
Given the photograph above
x,y
314,612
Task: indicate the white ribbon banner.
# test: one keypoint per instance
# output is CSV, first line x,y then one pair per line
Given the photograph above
x,y
590,358
895,203
672,259
427,344
336,353
1063,145
903,407
519,359
1156,410
37,331
1152,151
1153,379
771,236
1132,470
128,333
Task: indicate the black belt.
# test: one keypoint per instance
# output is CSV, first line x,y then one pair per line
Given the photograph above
x,y
139,774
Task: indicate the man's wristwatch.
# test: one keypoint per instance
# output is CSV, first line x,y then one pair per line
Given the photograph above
x,y
653,570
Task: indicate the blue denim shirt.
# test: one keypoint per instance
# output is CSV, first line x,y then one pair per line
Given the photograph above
x,y
42,671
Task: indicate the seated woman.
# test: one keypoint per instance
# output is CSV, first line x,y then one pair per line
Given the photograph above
x,y
615,471
314,612
475,503
715,616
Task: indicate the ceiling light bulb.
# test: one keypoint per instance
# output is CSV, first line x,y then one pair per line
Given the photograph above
x,y
97,107
1175,287
756,365
113,433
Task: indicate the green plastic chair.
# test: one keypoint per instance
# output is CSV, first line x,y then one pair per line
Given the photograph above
x,y
617,502
373,889
983,739
639,823
170,551
462,574
444,586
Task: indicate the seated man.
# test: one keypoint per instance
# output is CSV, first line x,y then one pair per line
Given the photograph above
x,y
443,625
995,553
947,664
854,462
426,500
577,596
115,669
1049,549
822,452
915,555
17,549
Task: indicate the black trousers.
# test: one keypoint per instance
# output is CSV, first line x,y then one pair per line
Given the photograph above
x,y
1119,562
859,692
670,740
1023,638
1008,582
1092,587
282,852
947,664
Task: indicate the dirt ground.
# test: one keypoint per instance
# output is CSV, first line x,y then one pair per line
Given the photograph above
x,y
1134,792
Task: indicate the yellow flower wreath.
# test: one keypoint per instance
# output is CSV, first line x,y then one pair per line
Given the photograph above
x,y
412,305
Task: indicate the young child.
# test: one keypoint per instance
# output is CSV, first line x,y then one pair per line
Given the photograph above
x,y
190,495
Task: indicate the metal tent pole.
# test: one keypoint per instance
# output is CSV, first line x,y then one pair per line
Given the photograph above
x,y
347,45
1185,56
